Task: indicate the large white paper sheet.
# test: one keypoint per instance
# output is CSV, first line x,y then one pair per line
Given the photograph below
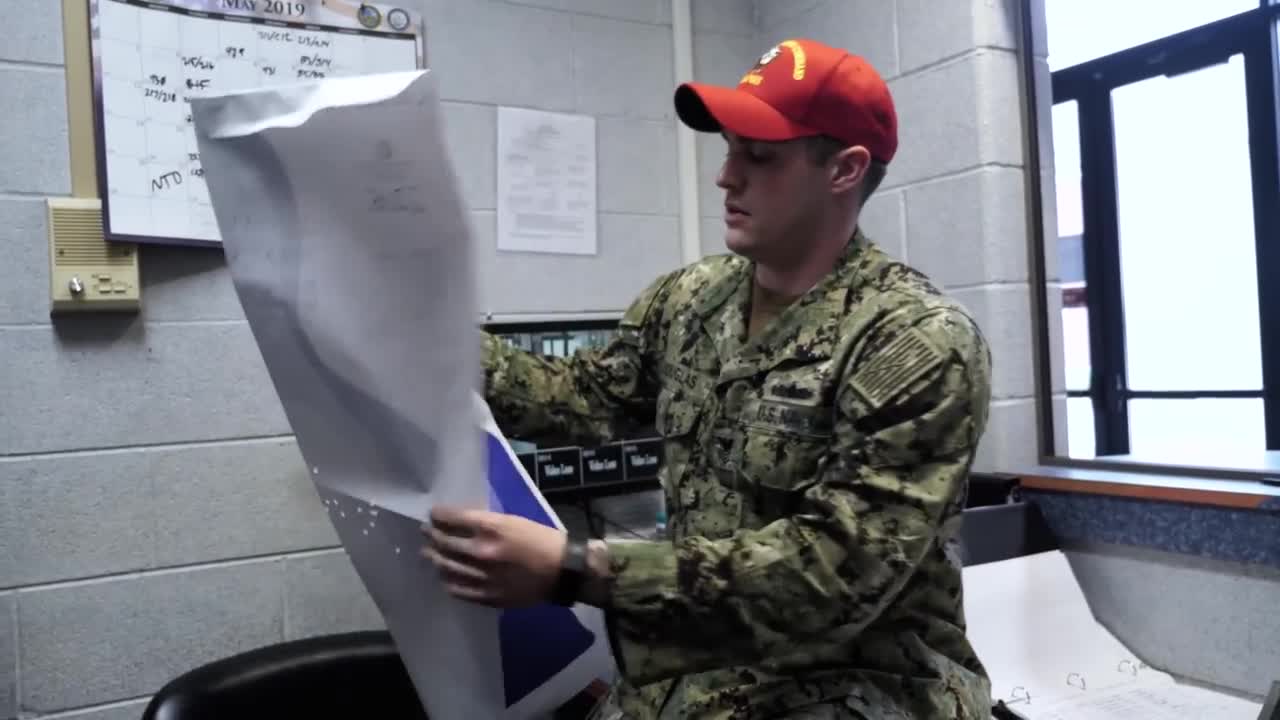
x,y
351,255
1049,659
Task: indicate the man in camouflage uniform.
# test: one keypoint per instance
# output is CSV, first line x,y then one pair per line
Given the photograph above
x,y
820,405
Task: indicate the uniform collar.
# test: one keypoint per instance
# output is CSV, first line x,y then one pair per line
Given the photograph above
x,y
804,332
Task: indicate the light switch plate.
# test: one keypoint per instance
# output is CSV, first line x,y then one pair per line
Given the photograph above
x,y
86,271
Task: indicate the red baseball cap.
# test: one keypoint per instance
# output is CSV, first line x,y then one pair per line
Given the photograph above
x,y
799,88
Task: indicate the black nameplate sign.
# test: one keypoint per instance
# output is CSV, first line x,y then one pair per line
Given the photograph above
x,y
602,464
560,468
530,463
642,459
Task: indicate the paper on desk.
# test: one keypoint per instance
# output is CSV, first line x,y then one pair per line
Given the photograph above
x,y
1049,659
350,252
1148,700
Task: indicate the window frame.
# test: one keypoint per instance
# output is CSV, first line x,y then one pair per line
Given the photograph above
x,y
1251,34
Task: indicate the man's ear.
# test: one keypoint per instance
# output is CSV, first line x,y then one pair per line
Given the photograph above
x,y
848,167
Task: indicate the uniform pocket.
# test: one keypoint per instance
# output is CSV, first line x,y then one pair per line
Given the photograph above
x,y
783,443
781,460
783,450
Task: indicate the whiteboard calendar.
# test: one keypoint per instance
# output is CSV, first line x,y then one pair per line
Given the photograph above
x,y
150,57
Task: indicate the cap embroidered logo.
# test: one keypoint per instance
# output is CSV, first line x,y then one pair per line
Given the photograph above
x,y
753,76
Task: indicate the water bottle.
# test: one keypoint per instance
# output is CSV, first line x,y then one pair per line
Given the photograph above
x,y
660,526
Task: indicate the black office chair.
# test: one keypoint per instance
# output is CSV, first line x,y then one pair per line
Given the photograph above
x,y
351,675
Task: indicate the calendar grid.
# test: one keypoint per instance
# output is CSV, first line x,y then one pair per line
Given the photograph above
x,y
151,58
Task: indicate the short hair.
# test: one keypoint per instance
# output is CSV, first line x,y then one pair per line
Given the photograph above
x,y
824,147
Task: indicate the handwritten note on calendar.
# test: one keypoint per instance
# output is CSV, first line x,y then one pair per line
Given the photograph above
x,y
151,58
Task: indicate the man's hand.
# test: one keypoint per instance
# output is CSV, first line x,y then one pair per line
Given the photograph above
x,y
492,558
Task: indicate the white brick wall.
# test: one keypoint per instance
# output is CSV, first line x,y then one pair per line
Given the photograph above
x,y
153,510
34,149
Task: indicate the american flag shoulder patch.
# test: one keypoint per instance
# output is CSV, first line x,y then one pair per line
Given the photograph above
x,y
906,359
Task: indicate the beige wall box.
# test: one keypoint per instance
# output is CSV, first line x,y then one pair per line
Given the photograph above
x,y
86,272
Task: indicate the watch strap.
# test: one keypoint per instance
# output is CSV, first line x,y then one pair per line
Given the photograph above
x,y
573,573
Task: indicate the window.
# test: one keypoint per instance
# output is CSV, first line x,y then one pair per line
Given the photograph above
x,y
1075,317
1167,183
1071,276
1080,432
1184,430
1082,30
1186,234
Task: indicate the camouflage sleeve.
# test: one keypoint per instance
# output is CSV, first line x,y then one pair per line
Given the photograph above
x,y
910,412
591,397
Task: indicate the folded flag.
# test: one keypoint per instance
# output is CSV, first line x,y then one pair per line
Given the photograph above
x,y
468,661
547,646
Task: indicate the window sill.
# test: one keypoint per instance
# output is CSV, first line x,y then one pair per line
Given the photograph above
x,y
1206,462
1183,487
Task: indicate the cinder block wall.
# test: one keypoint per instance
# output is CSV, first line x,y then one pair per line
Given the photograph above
x,y
154,513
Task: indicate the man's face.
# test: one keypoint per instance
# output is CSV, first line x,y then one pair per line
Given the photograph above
x,y
774,192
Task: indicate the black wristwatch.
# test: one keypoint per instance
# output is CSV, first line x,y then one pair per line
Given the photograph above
x,y
573,573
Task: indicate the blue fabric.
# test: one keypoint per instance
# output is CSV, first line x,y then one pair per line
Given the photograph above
x,y
540,641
